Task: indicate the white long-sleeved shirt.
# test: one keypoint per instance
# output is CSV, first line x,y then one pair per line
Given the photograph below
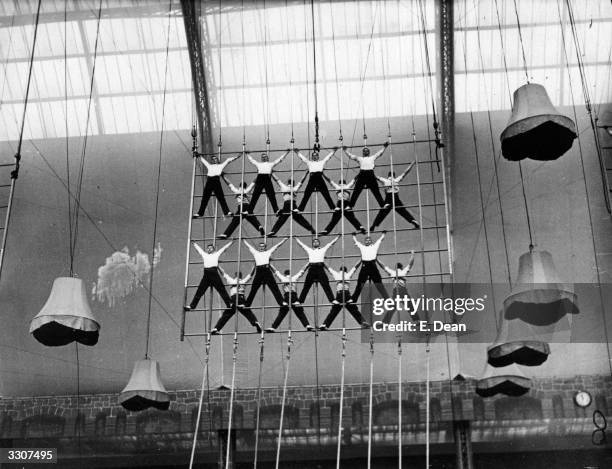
x,y
236,284
215,169
316,166
262,258
392,183
342,189
399,275
337,275
287,190
211,259
241,194
287,280
265,167
316,255
366,163
368,253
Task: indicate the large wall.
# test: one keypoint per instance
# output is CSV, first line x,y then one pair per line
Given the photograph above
x,y
119,195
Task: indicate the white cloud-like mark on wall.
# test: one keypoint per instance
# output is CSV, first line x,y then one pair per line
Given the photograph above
x,y
122,274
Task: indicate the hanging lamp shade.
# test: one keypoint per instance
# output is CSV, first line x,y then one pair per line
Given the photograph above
x,y
536,129
538,297
145,388
66,316
520,343
509,380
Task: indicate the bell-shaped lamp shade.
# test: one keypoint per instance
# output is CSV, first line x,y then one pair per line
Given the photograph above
x,y
509,380
66,316
145,388
517,343
538,297
536,129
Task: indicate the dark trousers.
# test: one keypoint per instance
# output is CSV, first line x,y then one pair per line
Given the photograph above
x,y
285,213
399,208
264,277
231,310
401,292
211,278
263,182
297,309
316,273
366,180
348,214
352,308
252,219
369,271
316,183
213,187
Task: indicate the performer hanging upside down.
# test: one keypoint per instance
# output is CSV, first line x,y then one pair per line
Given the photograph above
x,y
211,277
289,199
392,198
343,296
342,192
291,298
315,179
263,273
365,178
243,209
214,170
237,293
399,283
369,271
263,181
316,269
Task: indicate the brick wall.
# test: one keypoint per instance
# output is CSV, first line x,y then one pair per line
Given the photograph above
x,y
101,414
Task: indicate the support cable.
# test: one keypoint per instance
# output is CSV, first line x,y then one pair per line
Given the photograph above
x,y
231,403
586,191
282,413
341,405
200,402
520,33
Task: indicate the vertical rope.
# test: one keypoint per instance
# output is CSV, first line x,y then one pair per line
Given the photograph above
x,y
341,405
370,401
157,184
231,403
66,131
200,403
282,413
520,33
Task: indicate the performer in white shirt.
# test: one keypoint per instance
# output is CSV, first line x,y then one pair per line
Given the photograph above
x,y
399,283
263,181
392,198
211,277
369,270
315,179
342,193
365,178
237,293
289,191
214,170
288,281
243,209
263,272
316,268
342,278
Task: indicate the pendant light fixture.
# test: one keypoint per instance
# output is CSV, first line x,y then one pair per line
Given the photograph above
x,y
145,388
66,316
536,130
509,380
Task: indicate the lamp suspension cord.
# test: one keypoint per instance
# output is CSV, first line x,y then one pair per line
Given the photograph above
x,y
67,136
77,205
157,184
586,190
492,138
520,33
